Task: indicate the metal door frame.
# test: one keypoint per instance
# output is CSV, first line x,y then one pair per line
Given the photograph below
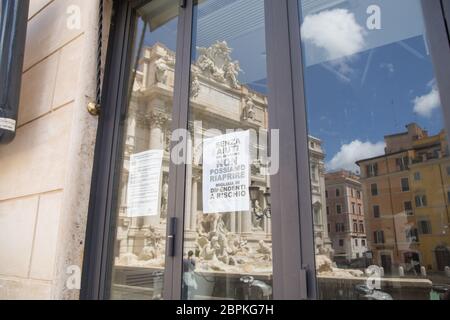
x,y
101,223
289,277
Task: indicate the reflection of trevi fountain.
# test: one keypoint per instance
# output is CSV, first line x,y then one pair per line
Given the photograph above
x,y
216,248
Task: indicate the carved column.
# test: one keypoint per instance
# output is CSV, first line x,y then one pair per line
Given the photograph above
x,y
188,198
194,205
130,148
157,122
146,70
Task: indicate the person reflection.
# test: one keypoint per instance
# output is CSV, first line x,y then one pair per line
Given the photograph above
x,y
189,282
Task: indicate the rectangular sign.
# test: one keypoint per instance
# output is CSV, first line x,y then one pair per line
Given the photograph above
x,y
144,184
226,173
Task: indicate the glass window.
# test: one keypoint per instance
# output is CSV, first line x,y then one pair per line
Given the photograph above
x,y
228,230
405,184
338,209
421,201
372,170
373,101
374,189
338,193
376,211
402,163
417,176
139,253
408,207
361,228
425,227
378,237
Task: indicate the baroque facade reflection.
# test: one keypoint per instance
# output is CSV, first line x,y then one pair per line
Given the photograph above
x,y
233,242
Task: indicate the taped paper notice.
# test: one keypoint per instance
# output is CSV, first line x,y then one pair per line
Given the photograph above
x,y
226,173
8,124
144,184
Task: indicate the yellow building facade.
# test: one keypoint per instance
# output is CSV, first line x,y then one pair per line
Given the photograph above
x,y
406,193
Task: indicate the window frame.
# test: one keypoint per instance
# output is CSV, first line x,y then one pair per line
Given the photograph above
x,y
295,277
408,187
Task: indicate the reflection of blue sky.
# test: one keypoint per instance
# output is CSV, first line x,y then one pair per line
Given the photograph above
x,y
374,97
239,22
401,19
165,34
340,112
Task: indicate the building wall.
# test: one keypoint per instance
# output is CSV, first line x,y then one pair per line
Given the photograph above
x,y
434,184
394,221
345,182
46,170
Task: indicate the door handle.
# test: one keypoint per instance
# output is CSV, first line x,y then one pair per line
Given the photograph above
x,y
171,237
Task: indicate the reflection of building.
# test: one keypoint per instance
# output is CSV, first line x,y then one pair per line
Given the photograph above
x,y
233,241
317,168
345,212
407,193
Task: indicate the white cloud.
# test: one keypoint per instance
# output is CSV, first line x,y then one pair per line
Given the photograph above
x,y
426,104
354,151
336,31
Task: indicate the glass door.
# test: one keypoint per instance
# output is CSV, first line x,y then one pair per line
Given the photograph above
x,y
142,200
194,200
374,108
227,251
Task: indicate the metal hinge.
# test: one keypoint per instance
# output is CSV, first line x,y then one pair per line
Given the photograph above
x,y
183,3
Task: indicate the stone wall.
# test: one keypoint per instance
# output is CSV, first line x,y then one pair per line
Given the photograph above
x,y
45,172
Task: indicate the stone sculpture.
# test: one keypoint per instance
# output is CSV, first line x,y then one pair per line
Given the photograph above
x,y
195,87
215,62
161,71
249,108
231,72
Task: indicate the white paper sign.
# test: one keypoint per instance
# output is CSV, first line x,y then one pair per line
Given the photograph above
x,y
144,182
8,124
226,167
